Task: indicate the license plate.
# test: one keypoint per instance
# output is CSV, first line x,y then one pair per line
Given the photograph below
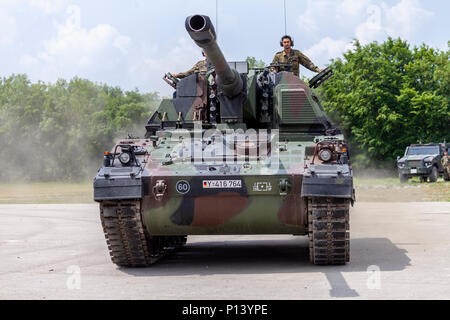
x,y
413,170
222,184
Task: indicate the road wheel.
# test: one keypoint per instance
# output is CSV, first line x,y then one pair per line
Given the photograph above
x,y
434,175
403,178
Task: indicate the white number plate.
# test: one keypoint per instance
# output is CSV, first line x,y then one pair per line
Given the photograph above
x,y
222,184
413,170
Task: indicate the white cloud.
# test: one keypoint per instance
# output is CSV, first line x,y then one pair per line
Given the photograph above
x,y
371,29
75,49
8,23
7,3
150,65
122,43
320,15
444,46
368,20
365,20
8,8
351,9
327,48
102,53
401,20
405,18
48,6
366,33
317,12
28,60
8,28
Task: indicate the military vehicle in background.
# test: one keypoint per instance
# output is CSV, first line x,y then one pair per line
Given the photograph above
x,y
423,161
238,151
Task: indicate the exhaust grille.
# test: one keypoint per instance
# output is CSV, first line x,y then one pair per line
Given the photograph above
x,y
295,107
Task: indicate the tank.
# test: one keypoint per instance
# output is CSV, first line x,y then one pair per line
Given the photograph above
x,y
235,152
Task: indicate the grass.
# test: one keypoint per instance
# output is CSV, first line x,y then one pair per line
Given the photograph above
x,y
391,190
46,192
367,190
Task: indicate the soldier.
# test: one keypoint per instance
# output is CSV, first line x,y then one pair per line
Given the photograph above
x,y
446,165
294,57
200,67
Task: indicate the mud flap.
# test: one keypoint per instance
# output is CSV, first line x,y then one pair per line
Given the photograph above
x,y
330,181
118,184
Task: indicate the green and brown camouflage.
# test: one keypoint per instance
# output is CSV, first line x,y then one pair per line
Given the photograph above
x,y
199,67
296,58
241,152
445,161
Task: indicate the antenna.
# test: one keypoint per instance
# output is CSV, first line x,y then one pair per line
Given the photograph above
x,y
217,18
285,24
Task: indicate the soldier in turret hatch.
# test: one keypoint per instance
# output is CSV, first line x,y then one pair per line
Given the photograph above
x,y
200,67
294,57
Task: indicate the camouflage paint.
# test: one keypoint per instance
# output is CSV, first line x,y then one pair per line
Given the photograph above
x,y
276,184
241,210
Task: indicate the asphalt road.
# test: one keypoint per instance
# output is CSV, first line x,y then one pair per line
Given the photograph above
x,y
59,252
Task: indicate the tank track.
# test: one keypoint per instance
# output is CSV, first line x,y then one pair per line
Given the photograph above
x,y
328,226
129,243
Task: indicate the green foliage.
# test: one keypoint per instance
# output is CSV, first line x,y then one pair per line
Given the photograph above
x,y
387,96
59,132
253,63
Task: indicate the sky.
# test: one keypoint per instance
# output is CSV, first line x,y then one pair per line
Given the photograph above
x,y
132,43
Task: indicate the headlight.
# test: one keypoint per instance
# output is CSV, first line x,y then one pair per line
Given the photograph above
x,y
124,158
428,164
401,165
325,155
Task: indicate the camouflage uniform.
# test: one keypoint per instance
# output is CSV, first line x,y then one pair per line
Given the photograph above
x,y
295,58
200,67
446,164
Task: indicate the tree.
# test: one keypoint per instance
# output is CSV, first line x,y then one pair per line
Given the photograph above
x,y
253,63
387,96
60,131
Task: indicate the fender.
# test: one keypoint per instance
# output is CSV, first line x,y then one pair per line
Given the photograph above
x,y
328,181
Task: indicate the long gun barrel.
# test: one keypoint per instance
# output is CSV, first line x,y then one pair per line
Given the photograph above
x,y
202,32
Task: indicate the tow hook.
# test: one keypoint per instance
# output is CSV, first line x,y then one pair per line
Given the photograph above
x,y
159,189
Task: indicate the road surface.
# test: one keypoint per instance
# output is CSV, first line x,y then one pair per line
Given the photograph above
x,y
59,252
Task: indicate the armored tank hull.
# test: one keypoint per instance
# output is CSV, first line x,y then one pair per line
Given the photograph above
x,y
243,152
